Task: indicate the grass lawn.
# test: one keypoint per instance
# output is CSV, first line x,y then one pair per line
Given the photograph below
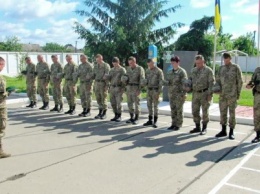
x,y
246,98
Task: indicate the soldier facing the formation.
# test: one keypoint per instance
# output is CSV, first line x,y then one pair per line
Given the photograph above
x,y
154,82
101,70
202,82
229,79
43,73
56,82
117,88
175,80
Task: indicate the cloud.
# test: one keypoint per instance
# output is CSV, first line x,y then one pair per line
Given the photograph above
x,y
31,9
240,3
226,17
251,27
245,7
200,3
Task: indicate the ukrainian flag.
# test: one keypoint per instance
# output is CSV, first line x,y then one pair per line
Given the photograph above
x,y
217,19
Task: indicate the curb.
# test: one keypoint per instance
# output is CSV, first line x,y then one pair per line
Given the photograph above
x,y
213,117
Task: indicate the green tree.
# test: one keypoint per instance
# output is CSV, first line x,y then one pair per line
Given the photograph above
x,y
11,43
53,47
196,39
245,43
125,27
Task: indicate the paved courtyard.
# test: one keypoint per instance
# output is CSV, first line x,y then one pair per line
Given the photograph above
x,y
57,153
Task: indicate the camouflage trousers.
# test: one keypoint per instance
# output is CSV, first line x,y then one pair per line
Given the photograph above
x,y
116,98
57,92
3,118
176,103
133,99
70,92
152,102
101,92
31,91
257,112
86,94
43,89
200,100
225,104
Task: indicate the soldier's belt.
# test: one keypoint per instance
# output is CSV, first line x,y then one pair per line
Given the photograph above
x,y
84,82
152,88
68,79
201,91
116,86
99,80
132,84
42,77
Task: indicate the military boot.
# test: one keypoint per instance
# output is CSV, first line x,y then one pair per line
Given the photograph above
x,y
204,129
61,108
155,118
197,129
131,118
118,119
69,111
41,108
73,110
55,108
2,153
223,132
115,117
30,105
136,119
99,114
34,105
46,106
83,112
257,138
231,135
149,122
104,114
87,114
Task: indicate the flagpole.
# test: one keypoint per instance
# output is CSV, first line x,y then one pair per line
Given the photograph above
x,y
215,50
258,41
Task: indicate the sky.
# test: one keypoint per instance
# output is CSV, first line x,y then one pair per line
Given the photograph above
x,y
43,21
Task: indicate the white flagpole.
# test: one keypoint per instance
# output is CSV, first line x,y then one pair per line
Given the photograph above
x,y
258,41
215,50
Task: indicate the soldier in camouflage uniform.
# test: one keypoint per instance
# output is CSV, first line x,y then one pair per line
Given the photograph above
x,y
254,84
85,75
3,111
56,82
117,88
175,80
30,74
43,73
101,69
134,75
202,83
70,88
229,78
154,78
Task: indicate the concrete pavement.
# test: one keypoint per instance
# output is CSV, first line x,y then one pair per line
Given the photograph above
x,y
57,153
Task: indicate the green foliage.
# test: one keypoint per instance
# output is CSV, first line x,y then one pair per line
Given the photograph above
x,y
22,64
53,47
11,43
245,43
125,27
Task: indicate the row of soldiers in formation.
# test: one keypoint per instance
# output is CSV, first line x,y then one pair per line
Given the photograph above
x,y
202,83
227,83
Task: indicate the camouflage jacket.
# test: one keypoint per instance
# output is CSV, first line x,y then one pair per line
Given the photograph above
x,y
255,80
202,79
115,75
85,72
3,93
154,78
69,70
175,79
30,73
135,75
43,71
56,72
229,78
99,71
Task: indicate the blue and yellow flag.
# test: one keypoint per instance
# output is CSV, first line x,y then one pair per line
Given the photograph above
x,y
217,19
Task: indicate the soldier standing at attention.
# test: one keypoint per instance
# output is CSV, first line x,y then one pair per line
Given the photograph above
x,y
43,72
229,78
154,77
3,111
255,84
117,88
85,75
56,81
202,83
70,88
135,75
175,80
101,69
30,73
